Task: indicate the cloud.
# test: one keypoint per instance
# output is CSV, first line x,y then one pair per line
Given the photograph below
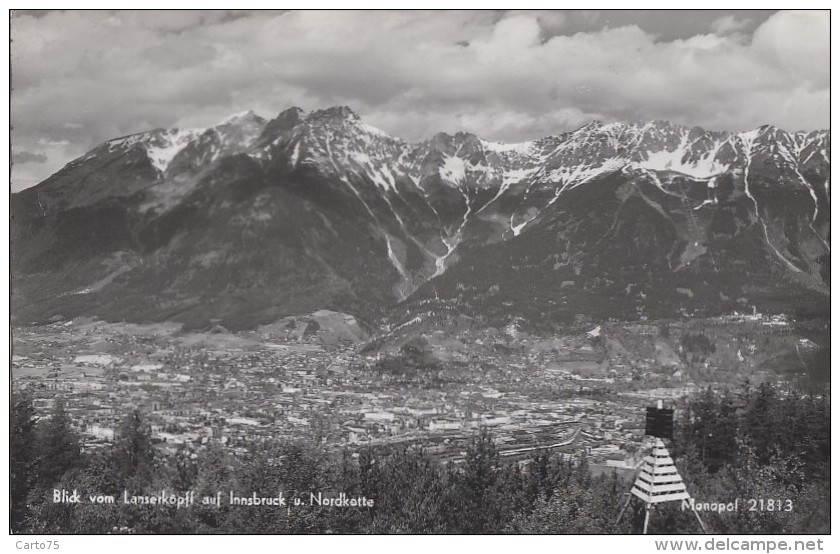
x,y
80,78
28,157
728,24
797,45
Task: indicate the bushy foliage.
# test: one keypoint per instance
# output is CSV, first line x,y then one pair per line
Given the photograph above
x,y
758,443
697,347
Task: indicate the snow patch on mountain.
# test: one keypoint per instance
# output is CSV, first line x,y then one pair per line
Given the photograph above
x,y
123,143
519,148
749,139
511,177
453,170
293,159
517,229
381,175
575,175
677,161
164,147
236,117
452,241
371,130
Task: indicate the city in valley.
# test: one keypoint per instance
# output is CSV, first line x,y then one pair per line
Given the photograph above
x,y
584,390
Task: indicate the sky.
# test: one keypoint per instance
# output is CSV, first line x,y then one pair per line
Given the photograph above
x,y
80,78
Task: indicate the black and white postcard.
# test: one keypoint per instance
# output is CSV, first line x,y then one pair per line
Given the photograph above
x,y
420,272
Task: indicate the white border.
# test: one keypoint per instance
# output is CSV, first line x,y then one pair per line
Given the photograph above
x,y
347,544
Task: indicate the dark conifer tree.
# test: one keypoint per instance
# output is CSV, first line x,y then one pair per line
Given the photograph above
x,y
133,454
22,457
58,449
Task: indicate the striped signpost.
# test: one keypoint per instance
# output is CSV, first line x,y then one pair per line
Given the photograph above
x,y
658,480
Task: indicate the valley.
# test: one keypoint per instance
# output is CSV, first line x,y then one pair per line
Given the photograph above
x,y
582,390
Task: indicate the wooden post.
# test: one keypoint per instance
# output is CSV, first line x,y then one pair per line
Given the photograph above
x,y
648,507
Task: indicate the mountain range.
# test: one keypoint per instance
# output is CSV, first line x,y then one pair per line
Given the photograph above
x,y
252,220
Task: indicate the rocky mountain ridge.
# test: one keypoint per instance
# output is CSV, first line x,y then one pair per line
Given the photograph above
x,y
253,219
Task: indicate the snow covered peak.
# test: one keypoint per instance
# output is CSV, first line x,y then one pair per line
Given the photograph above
x,y
520,148
240,131
337,137
237,118
165,145
161,145
180,149
233,134
429,202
